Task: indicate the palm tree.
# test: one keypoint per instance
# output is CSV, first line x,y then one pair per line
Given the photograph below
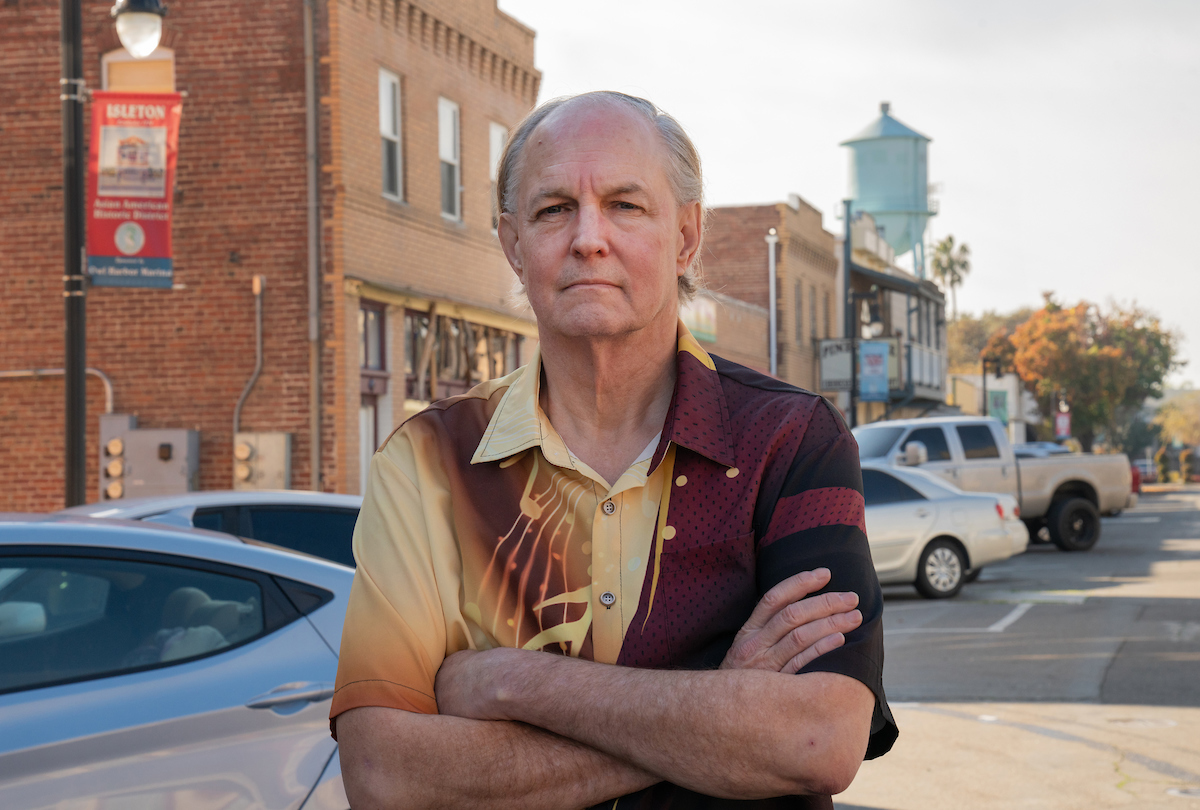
x,y
950,266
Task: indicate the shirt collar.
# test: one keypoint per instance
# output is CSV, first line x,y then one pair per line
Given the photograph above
x,y
697,419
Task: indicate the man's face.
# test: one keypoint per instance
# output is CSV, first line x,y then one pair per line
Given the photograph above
x,y
597,238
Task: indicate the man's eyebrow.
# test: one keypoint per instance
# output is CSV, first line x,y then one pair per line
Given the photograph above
x,y
628,188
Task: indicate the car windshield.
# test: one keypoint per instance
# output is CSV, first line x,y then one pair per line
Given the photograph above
x,y
874,442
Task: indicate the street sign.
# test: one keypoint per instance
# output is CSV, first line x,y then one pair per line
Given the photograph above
x,y
1062,425
998,406
873,370
835,364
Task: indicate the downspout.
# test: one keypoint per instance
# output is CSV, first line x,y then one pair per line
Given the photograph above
x,y
258,283
314,247
58,372
772,240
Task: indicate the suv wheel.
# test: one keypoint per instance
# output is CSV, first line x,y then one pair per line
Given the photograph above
x,y
1074,524
941,571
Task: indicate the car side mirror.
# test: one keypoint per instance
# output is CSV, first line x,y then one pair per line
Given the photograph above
x,y
915,454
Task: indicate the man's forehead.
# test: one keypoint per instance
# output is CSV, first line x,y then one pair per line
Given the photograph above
x,y
598,130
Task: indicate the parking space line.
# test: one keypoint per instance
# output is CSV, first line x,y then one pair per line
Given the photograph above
x,y
1014,614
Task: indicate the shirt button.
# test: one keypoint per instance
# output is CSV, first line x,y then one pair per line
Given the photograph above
x,y
607,599
609,507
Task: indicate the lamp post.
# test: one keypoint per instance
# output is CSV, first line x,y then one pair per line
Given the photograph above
x,y
140,35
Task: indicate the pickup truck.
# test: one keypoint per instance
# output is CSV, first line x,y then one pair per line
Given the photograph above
x,y
1063,493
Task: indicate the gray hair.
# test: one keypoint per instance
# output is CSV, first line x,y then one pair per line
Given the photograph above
x,y
683,164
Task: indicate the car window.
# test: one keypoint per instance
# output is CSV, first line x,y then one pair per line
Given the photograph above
x,y
321,532
934,439
978,441
72,618
215,519
880,488
876,442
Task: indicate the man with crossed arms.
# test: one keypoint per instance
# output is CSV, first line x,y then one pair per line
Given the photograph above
x,y
630,574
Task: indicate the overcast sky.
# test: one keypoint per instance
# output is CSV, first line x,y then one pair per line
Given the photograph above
x,y
1066,133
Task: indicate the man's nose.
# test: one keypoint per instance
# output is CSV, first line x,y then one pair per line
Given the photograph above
x,y
591,233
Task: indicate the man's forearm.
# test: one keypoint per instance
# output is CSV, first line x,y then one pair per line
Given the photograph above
x,y
734,734
397,759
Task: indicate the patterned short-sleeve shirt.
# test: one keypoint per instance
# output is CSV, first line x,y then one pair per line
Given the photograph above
x,y
480,529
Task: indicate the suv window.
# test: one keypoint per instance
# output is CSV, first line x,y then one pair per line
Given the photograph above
x,y
321,532
880,488
934,439
73,618
978,441
217,519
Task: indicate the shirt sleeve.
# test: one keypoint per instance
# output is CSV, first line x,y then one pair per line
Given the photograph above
x,y
395,633
819,521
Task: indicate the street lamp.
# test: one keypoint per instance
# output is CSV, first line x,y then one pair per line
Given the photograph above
x,y
139,25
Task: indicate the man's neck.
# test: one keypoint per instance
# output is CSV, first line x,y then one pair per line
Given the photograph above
x,y
608,398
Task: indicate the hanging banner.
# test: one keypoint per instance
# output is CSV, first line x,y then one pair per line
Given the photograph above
x,y
131,181
998,406
1062,425
873,370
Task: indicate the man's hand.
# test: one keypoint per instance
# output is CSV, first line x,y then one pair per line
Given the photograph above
x,y
786,631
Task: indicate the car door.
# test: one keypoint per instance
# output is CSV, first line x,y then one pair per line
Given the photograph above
x,y
130,679
941,460
325,532
898,518
983,468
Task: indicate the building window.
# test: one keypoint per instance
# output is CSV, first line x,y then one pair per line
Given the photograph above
x,y
497,138
371,336
446,356
812,312
154,74
389,135
797,293
828,326
448,154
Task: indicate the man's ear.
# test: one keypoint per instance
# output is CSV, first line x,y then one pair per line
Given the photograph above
x,y
506,230
691,228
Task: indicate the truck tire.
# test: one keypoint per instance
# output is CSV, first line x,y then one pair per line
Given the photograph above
x,y
1074,524
941,570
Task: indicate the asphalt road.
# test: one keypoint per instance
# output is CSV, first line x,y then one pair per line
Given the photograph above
x,y
1055,681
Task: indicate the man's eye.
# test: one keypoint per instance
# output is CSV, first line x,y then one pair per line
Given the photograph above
x,y
628,206
553,209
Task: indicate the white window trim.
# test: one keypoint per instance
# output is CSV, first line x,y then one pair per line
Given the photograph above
x,y
159,54
455,160
497,140
398,138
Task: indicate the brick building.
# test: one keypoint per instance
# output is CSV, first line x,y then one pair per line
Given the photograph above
x,y
736,262
389,218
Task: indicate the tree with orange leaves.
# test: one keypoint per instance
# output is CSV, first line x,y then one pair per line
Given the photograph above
x,y
1103,363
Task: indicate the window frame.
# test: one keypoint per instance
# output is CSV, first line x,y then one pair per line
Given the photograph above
x,y
278,609
450,110
159,54
380,311
497,140
396,138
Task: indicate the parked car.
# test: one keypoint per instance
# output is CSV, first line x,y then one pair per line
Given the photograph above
x,y
153,666
1066,493
1148,470
927,532
1040,449
317,523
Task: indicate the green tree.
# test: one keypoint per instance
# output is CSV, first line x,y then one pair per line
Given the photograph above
x,y
950,266
967,336
1104,363
1179,419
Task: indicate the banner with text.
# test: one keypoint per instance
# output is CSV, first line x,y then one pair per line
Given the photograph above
x,y
131,178
873,371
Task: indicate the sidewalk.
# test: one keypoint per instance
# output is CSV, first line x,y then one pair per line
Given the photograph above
x,y
1056,756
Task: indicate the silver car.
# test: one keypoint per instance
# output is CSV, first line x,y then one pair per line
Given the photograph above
x,y
151,667
317,523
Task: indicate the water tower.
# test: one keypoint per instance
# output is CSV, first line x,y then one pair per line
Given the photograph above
x,y
889,179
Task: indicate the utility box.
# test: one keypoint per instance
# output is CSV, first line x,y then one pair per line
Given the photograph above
x,y
262,461
137,462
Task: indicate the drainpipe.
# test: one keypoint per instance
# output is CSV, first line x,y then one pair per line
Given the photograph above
x,y
58,372
314,247
772,240
258,283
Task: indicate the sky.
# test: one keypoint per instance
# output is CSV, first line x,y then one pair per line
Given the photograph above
x,y
1066,133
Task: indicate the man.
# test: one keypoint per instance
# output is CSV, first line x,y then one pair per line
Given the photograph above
x,y
585,583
